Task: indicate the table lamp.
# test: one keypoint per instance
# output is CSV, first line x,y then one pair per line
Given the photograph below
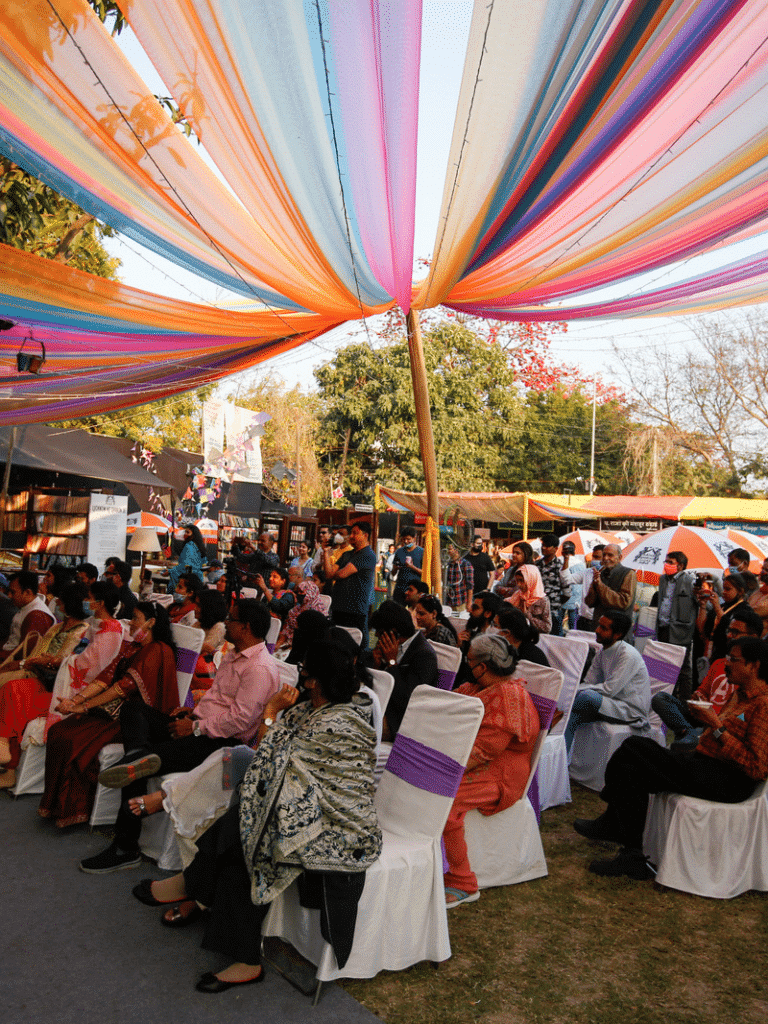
x,y
144,539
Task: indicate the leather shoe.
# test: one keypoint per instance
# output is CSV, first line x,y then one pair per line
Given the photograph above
x,y
599,829
210,983
629,862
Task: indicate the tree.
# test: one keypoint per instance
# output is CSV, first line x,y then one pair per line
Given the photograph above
x,y
295,418
368,412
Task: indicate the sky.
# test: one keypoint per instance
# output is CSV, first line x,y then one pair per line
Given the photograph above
x,y
587,345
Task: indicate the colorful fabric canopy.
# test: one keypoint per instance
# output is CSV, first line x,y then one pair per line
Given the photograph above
x,y
595,141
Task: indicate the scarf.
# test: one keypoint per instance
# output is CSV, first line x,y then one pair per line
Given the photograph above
x,y
535,587
307,798
310,594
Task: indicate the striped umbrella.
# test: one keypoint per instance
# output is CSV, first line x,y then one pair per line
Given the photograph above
x,y
756,546
209,529
147,519
585,540
706,549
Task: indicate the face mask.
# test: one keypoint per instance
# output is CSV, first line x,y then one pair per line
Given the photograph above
x,y
478,547
88,607
670,570
410,544
338,539
140,635
179,598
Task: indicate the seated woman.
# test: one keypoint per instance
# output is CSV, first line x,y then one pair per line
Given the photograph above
x,y
28,694
72,752
210,611
521,635
278,597
522,554
531,599
308,792
500,762
431,620
308,599
183,610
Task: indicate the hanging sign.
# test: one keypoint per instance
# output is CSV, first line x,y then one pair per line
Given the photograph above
x,y
107,528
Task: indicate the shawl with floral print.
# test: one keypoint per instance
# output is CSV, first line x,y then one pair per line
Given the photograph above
x,y
307,799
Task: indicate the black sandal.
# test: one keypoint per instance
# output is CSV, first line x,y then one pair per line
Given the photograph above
x,y
179,920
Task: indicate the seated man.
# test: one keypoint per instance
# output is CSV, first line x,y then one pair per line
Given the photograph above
x,y
229,713
32,615
617,687
402,651
730,759
119,573
715,687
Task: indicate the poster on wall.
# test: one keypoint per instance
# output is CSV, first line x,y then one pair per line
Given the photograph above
x,y
107,526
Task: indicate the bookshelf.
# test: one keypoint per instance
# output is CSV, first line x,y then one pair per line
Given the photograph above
x,y
40,524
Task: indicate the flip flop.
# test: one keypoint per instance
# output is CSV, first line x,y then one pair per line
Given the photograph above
x,y
461,897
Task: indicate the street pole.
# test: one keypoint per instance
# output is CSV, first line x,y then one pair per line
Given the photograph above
x,y
592,460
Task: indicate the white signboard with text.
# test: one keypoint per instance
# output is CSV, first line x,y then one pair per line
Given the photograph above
x,y
107,526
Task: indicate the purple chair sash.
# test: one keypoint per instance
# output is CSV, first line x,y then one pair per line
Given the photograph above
x,y
445,678
185,660
424,767
546,710
644,631
271,648
661,670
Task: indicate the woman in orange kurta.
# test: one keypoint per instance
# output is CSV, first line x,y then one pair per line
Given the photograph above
x,y
500,762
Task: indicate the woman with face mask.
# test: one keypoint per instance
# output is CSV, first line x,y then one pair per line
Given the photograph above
x,y
145,674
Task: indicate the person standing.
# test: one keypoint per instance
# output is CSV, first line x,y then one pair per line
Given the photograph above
x,y
613,588
459,580
556,580
676,618
482,564
407,563
353,578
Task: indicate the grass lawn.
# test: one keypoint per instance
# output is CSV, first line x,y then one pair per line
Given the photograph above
x,y
576,948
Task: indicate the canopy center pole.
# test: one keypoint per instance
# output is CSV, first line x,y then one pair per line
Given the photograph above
x,y
6,482
426,443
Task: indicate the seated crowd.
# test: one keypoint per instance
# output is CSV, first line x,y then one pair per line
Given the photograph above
x,y
99,666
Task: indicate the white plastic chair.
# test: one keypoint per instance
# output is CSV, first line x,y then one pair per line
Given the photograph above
x,y
505,848
401,917
448,661
708,848
569,657
595,744
189,642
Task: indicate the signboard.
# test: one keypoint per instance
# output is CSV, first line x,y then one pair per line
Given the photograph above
x,y
633,524
363,508
758,529
107,527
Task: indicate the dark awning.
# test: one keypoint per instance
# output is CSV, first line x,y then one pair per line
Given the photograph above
x,y
75,452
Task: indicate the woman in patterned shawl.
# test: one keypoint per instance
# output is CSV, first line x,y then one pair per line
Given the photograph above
x,y
306,812
307,599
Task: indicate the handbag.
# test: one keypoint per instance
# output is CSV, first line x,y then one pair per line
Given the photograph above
x,y
22,647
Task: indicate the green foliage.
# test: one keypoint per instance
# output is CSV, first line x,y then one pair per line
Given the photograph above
x,y
476,412
170,423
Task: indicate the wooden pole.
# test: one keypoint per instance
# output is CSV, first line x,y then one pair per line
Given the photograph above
x,y
6,481
298,468
426,436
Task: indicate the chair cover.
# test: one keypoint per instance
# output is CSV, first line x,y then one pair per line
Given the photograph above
x,y
505,848
189,642
569,656
663,662
30,772
355,633
585,635
646,627
272,633
401,917
382,684
325,600
707,848
448,661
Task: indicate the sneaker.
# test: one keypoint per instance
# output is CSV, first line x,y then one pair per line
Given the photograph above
x,y
111,859
686,743
123,774
599,830
629,862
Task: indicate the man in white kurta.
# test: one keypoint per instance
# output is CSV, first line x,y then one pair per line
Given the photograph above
x,y
617,687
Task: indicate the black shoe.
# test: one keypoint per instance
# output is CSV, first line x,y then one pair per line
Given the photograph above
x,y
629,862
124,773
599,829
111,859
210,983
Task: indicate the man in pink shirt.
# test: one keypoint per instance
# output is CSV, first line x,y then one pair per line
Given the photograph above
x,y
229,713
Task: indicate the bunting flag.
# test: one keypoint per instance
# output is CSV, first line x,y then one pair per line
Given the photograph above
x,y
596,144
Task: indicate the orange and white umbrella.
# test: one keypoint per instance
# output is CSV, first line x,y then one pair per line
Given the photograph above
x,y
756,546
585,540
706,549
148,519
209,529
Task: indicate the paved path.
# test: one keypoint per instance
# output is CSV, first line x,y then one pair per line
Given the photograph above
x,y
79,949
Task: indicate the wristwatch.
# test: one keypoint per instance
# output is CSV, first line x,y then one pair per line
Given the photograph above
x,y
392,662
196,728
717,733
268,722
